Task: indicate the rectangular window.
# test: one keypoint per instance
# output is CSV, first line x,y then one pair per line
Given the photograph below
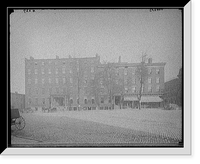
x,y
42,70
102,100
35,63
134,89
56,80
43,101
49,71
56,70
71,101
157,71
157,80
85,101
93,101
149,70
149,88
42,81
126,89
157,88
149,80
36,81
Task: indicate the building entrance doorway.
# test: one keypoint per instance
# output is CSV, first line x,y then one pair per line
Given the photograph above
x,y
117,100
58,101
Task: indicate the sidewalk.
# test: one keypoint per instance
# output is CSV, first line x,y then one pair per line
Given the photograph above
x,y
157,121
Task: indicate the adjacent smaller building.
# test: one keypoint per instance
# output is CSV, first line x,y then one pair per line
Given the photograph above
x,y
17,100
173,92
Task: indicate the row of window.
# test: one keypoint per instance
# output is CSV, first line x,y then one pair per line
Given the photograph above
x,y
56,62
71,101
57,80
133,81
44,91
150,71
56,71
50,80
149,89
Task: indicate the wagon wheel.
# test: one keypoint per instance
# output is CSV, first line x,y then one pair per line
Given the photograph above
x,y
20,123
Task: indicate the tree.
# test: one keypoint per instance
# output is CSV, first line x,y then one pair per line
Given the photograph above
x,y
179,89
142,74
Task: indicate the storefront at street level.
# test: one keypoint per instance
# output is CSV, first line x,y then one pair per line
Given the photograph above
x,y
151,101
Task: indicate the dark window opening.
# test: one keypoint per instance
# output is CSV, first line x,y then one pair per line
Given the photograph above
x,y
102,100
85,101
92,101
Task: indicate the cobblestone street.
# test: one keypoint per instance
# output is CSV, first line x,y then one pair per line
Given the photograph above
x,y
152,127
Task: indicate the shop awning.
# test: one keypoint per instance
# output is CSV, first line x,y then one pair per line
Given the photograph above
x,y
130,98
151,99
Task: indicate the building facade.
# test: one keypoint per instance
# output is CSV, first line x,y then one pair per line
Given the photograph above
x,y
17,101
59,82
85,83
123,85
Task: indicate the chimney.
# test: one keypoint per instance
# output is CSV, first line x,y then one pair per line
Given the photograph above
x,y
119,59
31,58
70,56
57,57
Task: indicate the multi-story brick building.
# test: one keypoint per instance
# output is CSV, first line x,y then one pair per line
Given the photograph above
x,y
63,82
123,88
85,82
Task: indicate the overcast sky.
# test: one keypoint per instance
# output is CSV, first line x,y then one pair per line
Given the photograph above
x,y
84,33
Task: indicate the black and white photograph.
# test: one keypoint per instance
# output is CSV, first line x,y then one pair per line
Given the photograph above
x,y
96,78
